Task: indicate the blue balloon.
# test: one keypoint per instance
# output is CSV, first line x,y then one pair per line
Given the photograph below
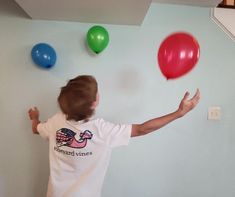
x,y
43,55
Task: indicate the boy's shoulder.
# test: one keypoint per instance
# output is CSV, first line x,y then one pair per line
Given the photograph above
x,y
60,116
94,120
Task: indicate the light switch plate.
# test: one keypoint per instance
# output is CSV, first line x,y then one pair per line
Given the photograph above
x,y
214,113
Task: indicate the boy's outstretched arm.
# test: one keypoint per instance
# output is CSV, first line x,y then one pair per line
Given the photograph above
x,y
185,106
34,117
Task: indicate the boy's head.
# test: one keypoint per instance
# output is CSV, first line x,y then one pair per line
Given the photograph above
x,y
79,98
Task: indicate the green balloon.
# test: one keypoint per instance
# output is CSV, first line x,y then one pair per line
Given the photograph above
x,y
97,38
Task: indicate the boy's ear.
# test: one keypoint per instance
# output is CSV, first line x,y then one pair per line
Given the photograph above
x,y
93,106
96,102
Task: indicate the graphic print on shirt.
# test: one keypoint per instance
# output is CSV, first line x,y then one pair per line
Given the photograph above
x,y
66,137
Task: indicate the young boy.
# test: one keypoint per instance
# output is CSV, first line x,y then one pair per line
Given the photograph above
x,y
79,146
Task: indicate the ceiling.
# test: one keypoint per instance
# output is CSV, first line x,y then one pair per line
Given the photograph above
x,y
200,3
122,12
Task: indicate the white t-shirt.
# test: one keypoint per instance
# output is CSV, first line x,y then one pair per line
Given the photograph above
x,y
79,154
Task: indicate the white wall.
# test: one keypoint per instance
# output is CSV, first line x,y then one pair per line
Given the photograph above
x,y
190,157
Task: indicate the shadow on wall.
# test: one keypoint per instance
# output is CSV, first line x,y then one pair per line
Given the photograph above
x,y
11,8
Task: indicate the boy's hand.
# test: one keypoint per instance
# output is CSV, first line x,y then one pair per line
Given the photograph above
x,y
186,104
33,113
151,125
34,116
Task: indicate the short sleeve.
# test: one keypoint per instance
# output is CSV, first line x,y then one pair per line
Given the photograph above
x,y
45,128
114,134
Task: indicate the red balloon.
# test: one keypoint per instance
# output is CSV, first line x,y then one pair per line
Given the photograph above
x,y
178,54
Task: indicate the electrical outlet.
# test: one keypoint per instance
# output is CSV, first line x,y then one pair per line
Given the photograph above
x,y
214,113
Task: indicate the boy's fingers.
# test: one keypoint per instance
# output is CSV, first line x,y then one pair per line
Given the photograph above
x,y
196,96
195,102
186,95
33,109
